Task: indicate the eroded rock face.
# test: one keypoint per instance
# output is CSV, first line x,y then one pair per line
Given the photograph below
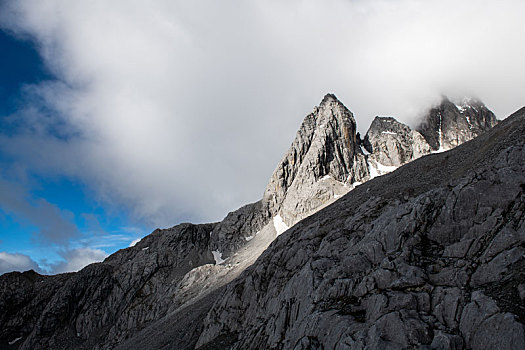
x,y
392,143
325,147
449,125
105,302
430,255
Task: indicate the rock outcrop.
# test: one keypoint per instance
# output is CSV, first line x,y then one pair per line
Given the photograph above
x,y
392,144
323,159
157,293
431,256
449,125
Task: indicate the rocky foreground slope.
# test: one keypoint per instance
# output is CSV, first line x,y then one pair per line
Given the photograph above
x,y
158,293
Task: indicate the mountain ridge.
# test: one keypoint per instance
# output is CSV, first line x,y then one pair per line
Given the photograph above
x,y
166,271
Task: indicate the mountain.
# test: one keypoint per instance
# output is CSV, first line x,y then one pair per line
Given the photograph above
x,y
430,256
449,125
174,288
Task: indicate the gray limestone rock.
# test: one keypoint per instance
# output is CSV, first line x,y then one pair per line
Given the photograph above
x,y
325,147
392,143
449,125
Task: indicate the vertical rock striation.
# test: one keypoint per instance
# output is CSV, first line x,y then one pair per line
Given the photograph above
x,y
449,125
322,160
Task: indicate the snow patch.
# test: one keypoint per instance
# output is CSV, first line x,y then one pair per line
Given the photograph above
x,y
249,238
365,152
145,248
373,171
379,169
384,168
326,177
14,341
279,224
355,184
461,108
218,257
468,121
388,132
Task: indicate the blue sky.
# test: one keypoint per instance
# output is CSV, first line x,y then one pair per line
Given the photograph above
x,y
90,224
118,117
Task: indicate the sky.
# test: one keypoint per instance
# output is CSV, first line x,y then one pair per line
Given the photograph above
x,y
120,117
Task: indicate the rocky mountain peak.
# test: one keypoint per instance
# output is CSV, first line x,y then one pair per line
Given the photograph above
x,y
323,157
391,143
450,124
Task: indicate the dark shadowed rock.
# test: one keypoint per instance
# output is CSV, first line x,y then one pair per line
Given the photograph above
x,y
449,125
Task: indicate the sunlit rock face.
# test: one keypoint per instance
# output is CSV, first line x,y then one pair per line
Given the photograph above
x,y
323,159
392,143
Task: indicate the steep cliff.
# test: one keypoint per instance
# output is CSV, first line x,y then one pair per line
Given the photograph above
x,y
449,125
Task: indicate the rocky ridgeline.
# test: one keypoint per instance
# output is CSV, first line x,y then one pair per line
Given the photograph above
x,y
157,293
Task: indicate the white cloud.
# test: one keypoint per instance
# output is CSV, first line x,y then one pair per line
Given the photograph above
x,y
16,262
181,110
135,241
76,259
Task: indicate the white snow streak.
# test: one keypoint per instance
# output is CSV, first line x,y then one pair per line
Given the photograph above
x,y
14,341
379,169
135,241
388,132
365,152
279,224
218,257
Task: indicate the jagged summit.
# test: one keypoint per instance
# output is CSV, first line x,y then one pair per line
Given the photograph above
x,y
429,257
391,143
449,125
325,148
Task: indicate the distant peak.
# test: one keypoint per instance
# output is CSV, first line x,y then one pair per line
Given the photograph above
x,y
329,98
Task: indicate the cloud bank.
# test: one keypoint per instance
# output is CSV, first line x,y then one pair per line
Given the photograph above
x,y
179,111
76,259
16,262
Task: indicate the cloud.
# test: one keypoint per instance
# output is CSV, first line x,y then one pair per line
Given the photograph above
x,y
16,262
179,111
53,224
135,241
77,259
